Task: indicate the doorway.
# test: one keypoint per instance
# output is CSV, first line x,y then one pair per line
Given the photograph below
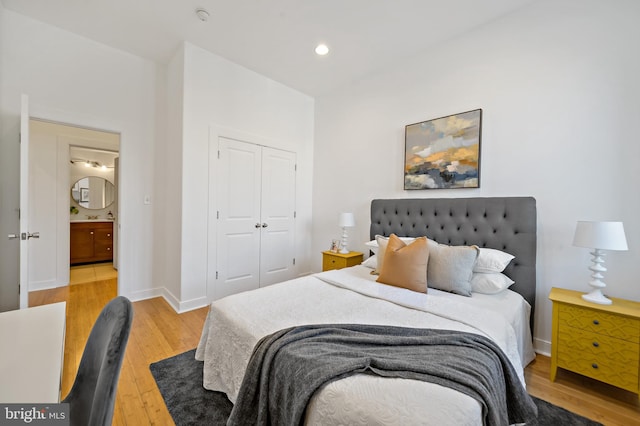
x,y
55,152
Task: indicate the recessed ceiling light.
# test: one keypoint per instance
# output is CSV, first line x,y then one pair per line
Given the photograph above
x,y
202,14
322,49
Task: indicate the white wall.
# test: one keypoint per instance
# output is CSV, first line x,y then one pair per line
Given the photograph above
x,y
74,80
169,180
219,94
558,85
43,252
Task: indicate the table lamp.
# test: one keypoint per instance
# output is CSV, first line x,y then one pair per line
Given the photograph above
x,y
599,236
345,221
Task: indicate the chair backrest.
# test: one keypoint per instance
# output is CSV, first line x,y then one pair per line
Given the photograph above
x,y
93,394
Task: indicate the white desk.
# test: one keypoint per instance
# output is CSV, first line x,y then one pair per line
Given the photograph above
x,y
31,354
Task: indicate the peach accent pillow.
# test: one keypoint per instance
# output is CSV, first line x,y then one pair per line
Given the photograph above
x,y
405,265
381,248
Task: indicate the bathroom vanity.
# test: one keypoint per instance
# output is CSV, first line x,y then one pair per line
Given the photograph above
x,y
91,241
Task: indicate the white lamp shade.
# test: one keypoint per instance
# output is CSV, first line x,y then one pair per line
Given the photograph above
x,y
600,235
346,220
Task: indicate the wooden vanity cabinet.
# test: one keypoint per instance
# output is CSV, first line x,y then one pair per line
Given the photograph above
x,y
91,242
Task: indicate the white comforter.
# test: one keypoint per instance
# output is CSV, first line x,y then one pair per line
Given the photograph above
x,y
236,323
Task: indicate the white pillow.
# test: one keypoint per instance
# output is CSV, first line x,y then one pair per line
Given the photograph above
x,y
371,262
382,248
490,283
492,260
373,244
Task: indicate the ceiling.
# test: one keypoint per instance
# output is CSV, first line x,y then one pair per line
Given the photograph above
x,y
275,38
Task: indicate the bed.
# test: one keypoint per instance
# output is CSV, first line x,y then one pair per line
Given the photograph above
x,y
352,296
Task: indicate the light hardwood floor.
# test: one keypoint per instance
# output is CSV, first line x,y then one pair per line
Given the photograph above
x,y
159,332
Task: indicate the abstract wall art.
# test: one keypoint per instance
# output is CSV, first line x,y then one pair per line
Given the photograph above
x,y
444,153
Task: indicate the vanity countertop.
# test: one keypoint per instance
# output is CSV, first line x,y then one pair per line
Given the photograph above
x,y
90,220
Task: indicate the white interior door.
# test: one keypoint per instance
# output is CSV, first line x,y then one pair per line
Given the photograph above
x,y
25,235
277,242
255,240
9,218
238,213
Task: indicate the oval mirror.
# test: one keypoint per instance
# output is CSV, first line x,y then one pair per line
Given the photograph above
x,y
93,192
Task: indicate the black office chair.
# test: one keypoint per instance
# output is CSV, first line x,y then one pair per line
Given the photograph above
x,y
93,393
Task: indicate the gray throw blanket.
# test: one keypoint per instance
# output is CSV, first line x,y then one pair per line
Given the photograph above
x,y
287,367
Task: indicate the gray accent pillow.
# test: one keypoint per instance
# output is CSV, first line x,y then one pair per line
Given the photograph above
x,y
450,267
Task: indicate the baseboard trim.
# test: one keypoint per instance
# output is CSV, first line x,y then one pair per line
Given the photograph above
x,y
177,305
542,347
186,306
45,285
144,294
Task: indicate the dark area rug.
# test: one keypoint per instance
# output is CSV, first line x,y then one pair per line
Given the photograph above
x,y
179,379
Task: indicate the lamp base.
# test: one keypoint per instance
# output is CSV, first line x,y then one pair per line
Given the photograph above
x,y
343,244
596,296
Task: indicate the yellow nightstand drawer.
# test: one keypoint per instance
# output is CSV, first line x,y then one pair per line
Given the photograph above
x,y
624,376
331,260
599,322
606,349
598,341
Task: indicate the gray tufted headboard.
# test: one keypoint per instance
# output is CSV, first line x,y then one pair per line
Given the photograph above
x,y
504,223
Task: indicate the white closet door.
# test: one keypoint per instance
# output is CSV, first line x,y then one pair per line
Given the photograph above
x,y
239,224
277,244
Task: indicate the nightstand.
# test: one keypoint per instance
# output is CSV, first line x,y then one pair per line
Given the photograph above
x,y
597,341
331,260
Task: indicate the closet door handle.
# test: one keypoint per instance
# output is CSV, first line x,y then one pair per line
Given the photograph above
x,y
257,225
264,225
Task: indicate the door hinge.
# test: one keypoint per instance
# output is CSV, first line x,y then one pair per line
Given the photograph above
x,y
218,154
294,214
217,214
295,167
216,275
294,260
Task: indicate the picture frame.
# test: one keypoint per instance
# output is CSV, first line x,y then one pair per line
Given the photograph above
x,y
444,153
84,195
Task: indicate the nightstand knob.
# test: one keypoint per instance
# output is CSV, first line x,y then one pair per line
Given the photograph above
x,y
596,344
596,322
594,365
